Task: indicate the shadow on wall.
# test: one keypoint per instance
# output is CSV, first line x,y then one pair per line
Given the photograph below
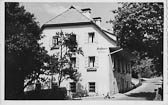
x,y
147,95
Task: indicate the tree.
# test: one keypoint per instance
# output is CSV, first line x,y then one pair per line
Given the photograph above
x,y
61,63
144,67
139,27
24,58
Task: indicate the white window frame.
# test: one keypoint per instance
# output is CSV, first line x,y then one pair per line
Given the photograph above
x,y
73,88
55,41
92,88
91,60
91,37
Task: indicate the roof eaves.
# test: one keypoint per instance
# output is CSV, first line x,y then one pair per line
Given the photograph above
x,y
65,24
103,32
108,32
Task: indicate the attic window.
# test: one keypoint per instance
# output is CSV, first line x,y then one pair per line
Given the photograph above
x,y
91,37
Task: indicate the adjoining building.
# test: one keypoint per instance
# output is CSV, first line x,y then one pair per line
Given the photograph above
x,y
105,67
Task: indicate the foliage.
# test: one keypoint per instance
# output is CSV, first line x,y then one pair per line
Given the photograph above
x,y
81,91
145,67
46,94
139,27
60,63
24,58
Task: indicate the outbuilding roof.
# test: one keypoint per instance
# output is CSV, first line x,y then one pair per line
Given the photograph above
x,y
122,53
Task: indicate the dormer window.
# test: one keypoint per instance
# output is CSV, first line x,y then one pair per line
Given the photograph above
x,y
91,37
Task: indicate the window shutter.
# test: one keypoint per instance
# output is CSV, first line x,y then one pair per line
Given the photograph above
x,y
77,62
96,62
86,62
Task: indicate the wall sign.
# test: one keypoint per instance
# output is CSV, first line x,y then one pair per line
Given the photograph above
x,y
102,49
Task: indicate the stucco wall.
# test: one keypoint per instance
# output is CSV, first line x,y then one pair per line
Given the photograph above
x,y
100,49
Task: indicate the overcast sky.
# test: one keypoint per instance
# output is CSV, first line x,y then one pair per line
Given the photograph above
x,y
45,11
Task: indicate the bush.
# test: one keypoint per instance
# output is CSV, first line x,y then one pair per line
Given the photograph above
x,y
48,94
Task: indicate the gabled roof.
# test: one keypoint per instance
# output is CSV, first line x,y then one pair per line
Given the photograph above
x,y
71,15
111,35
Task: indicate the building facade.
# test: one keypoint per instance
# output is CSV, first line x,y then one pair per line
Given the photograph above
x,y
105,68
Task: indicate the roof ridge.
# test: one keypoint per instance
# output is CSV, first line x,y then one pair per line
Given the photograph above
x,y
82,14
71,7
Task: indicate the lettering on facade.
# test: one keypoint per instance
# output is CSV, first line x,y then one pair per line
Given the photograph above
x,y
102,49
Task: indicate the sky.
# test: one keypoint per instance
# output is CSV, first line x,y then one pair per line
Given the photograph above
x,y
44,11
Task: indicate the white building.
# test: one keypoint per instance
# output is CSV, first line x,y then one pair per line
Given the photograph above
x,y
105,67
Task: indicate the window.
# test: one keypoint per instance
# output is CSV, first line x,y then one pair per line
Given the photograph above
x,y
91,37
91,86
73,62
73,38
55,41
73,46
73,87
92,61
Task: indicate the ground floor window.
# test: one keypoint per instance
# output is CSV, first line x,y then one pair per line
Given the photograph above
x,y
91,86
73,87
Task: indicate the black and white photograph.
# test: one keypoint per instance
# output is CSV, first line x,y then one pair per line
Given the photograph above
x,y
84,51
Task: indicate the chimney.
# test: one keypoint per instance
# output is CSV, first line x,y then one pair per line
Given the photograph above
x,y
97,20
86,12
